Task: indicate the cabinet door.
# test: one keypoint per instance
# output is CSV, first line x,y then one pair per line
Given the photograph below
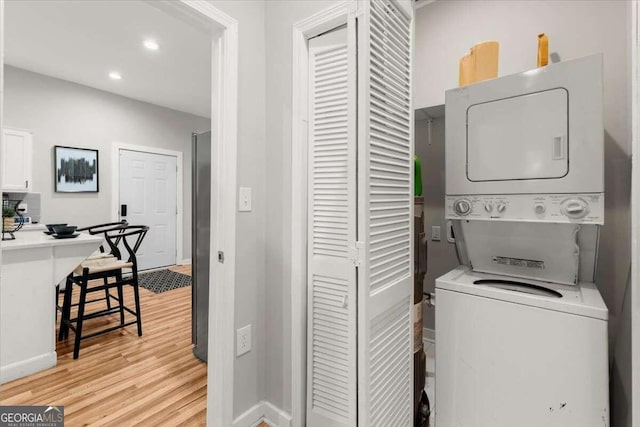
x,y
16,160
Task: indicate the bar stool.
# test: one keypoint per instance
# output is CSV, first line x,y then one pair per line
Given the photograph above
x,y
104,269
99,254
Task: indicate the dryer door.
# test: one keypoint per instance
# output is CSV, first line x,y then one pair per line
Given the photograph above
x,y
519,138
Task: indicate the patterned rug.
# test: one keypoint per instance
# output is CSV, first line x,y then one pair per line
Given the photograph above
x,y
160,281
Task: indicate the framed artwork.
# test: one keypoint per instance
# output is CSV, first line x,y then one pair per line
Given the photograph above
x,y
76,170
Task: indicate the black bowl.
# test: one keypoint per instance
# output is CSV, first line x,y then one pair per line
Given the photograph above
x,y
50,226
63,230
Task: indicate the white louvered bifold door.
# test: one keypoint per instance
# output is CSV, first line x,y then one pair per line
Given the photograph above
x,y
331,333
385,194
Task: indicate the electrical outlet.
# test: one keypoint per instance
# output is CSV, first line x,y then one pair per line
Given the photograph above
x,y
243,340
435,233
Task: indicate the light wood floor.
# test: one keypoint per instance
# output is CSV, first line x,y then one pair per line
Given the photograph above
x,y
121,379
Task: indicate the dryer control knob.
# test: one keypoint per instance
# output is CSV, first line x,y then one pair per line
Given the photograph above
x,y
540,208
462,207
575,208
488,206
501,207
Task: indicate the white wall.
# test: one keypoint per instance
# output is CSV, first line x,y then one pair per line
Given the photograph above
x,y
250,304
445,30
65,113
280,18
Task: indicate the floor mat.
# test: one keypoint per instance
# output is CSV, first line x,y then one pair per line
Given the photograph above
x,y
160,281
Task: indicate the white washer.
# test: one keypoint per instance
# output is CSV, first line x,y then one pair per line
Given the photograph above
x,y
507,358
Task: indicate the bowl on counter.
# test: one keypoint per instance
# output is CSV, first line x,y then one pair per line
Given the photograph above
x,y
50,226
64,230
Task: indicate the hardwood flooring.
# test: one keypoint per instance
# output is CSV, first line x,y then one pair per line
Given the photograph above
x,y
121,379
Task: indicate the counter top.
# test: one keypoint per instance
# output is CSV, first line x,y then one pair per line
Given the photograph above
x,y
34,227
40,240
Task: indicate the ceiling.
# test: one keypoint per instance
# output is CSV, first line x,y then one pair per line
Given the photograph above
x,y
83,41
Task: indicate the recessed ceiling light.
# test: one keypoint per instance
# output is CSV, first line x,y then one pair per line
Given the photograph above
x,y
114,75
151,44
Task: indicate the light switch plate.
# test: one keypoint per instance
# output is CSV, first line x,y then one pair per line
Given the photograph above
x,y
243,340
435,233
244,199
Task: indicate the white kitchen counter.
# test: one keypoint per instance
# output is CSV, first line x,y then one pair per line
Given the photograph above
x,y
32,265
26,240
34,227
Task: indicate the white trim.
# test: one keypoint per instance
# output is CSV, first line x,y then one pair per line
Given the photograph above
x,y
2,98
635,212
316,24
186,261
428,335
224,144
419,4
116,147
27,367
275,416
263,412
251,417
224,148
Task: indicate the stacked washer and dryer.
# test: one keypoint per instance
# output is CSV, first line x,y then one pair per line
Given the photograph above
x,y
521,329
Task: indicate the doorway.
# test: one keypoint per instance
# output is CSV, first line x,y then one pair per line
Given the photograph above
x,y
223,32
352,192
148,193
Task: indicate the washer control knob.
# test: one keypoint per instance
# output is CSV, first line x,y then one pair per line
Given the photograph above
x,y
501,207
575,208
540,208
488,207
462,207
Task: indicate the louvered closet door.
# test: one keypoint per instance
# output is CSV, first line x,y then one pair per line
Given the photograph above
x,y
331,333
385,282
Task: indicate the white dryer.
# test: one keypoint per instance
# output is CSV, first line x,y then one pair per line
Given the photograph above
x,y
521,329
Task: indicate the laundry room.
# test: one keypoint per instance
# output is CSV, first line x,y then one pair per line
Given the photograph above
x,y
513,36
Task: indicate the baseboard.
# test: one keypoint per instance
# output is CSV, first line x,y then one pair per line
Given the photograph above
x,y
250,418
186,261
263,411
27,367
428,335
275,416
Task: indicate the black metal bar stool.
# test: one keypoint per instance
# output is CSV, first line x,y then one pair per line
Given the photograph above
x,y
104,269
100,254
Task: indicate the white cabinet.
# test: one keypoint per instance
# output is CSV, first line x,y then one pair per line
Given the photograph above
x,y
16,160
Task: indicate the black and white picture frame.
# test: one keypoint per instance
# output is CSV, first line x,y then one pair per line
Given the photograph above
x,y
76,170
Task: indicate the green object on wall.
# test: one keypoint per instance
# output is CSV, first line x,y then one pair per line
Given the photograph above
x,y
417,177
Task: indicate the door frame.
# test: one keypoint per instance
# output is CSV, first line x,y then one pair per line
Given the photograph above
x,y
635,210
224,144
116,147
314,25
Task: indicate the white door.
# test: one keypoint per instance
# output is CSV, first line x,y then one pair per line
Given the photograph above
x,y
385,217
331,282
148,197
17,159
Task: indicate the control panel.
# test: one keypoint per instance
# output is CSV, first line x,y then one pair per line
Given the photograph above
x,y
585,208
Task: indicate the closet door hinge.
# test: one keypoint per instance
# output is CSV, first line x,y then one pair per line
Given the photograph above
x,y
356,254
